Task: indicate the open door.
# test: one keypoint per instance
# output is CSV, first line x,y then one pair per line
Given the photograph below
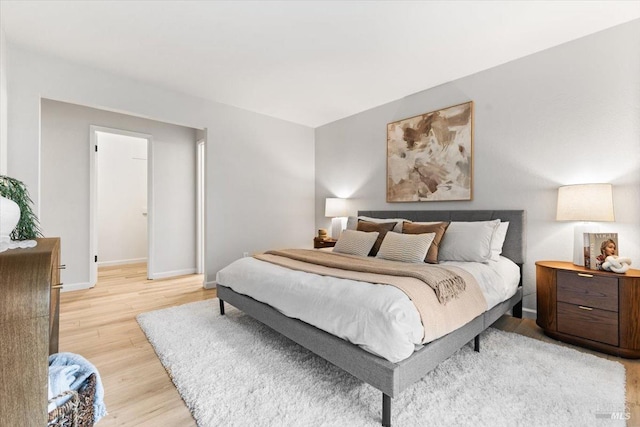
x,y
121,210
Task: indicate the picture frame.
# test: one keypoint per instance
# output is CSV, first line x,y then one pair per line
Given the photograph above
x,y
430,156
596,248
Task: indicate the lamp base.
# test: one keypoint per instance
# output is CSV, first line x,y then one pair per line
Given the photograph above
x,y
337,225
578,241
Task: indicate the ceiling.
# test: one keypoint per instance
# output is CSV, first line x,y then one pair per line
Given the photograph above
x,y
308,62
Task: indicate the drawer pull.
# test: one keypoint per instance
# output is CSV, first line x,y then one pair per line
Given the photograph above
x,y
58,286
585,275
585,308
62,267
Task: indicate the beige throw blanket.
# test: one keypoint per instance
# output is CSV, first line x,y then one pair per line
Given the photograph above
x,y
446,284
438,319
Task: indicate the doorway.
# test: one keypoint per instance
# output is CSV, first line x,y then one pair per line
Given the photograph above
x,y
121,206
68,195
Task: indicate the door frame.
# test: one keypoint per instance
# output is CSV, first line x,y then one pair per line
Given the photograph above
x,y
201,158
93,198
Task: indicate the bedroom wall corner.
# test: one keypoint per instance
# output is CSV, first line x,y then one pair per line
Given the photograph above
x,y
569,114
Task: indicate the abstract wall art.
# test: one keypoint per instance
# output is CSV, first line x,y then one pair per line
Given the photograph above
x,y
430,156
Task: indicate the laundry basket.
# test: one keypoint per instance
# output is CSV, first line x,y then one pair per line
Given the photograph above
x,y
77,411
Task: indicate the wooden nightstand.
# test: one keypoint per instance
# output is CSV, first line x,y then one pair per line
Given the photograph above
x,y
590,308
328,243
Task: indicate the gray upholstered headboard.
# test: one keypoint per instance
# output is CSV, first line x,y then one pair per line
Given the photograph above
x,y
514,244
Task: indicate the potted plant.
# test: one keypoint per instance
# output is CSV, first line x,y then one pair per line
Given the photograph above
x,y
27,227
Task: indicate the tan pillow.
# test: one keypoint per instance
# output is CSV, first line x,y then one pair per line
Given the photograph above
x,y
439,228
380,227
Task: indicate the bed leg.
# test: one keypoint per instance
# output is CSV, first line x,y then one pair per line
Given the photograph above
x,y
517,310
221,307
386,410
476,343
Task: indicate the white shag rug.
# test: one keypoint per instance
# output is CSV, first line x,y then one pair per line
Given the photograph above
x,y
233,371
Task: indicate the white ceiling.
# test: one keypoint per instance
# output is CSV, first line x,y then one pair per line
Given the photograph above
x,y
309,62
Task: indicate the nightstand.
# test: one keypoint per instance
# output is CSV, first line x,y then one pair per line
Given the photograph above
x,y
590,308
327,243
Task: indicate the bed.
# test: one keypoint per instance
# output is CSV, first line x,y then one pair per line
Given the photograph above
x,y
391,378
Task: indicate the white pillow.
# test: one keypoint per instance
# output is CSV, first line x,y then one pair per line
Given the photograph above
x,y
355,242
468,241
498,240
352,222
405,247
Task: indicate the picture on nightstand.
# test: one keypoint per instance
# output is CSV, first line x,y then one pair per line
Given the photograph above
x,y
597,247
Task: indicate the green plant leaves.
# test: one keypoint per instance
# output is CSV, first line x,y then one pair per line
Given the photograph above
x,y
28,227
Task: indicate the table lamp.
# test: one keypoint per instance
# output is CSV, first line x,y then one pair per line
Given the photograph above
x,y
585,203
336,209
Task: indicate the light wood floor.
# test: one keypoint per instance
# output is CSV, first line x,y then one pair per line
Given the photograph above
x,y
100,324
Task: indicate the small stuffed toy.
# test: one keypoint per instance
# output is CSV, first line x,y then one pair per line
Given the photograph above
x,y
617,264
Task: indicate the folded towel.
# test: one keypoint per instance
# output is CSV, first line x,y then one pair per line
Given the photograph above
x,y
74,369
60,380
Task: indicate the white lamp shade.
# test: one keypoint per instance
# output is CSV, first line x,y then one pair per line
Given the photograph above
x,y
585,202
335,207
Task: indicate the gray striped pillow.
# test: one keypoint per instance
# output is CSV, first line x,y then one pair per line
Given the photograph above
x,y
355,242
405,247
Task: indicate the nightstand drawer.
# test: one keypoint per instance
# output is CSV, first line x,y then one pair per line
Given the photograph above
x,y
589,323
588,290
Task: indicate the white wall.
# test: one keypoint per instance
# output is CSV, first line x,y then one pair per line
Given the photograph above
x,y
3,101
260,170
64,192
567,115
122,198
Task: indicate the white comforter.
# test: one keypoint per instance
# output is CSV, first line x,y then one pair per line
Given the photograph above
x,y
379,318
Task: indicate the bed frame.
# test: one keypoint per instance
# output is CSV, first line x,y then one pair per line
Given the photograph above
x,y
392,378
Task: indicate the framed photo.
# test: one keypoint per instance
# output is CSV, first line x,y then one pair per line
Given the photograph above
x,y
597,247
430,156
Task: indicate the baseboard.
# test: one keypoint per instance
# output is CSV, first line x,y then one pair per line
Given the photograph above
x,y
76,287
167,274
529,313
121,262
210,285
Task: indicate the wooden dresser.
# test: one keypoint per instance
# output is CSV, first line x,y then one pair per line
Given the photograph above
x,y
29,310
590,308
